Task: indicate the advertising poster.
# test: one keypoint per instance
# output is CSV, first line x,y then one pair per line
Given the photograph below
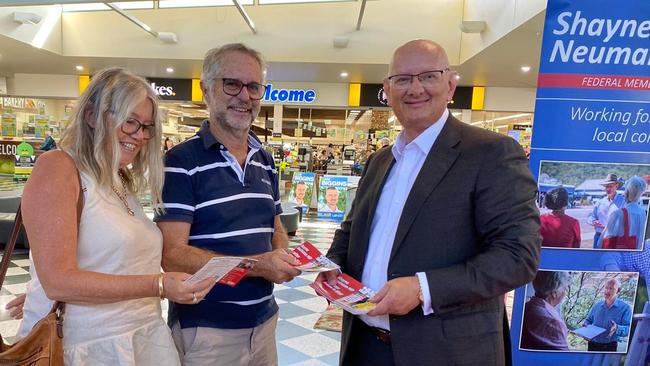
x,y
8,124
590,153
332,197
41,123
302,188
25,159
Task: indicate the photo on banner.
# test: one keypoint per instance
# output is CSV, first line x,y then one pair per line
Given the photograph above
x,y
579,311
584,205
332,197
302,188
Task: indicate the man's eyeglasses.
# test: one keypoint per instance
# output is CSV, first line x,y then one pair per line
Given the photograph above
x,y
233,87
131,126
427,78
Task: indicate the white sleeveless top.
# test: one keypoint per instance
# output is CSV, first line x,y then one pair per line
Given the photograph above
x,y
110,241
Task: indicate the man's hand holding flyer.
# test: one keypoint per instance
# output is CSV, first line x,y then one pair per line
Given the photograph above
x,y
227,270
346,293
310,259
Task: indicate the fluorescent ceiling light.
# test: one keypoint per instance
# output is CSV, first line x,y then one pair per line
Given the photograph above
x,y
501,118
169,69
79,68
525,68
266,2
197,3
344,74
127,5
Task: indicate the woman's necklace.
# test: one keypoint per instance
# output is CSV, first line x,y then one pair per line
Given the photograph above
x,y
122,195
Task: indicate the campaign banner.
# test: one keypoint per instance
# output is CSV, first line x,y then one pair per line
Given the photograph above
x,y
590,154
332,197
302,188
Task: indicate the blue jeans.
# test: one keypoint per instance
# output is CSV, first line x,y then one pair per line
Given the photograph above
x,y
597,244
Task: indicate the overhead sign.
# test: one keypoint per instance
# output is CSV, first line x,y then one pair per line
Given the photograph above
x,y
372,95
21,103
172,89
288,95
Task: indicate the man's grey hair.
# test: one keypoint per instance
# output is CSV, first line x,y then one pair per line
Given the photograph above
x,y
634,188
214,57
616,281
548,281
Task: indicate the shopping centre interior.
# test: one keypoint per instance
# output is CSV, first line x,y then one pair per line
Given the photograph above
x,y
326,62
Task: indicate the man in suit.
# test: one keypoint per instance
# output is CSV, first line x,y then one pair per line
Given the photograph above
x,y
443,225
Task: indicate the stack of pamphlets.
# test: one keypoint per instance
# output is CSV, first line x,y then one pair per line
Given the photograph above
x,y
346,293
310,259
227,270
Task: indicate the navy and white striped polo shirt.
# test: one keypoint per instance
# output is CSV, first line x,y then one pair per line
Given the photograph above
x,y
232,212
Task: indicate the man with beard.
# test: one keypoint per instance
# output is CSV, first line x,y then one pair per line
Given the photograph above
x,y
221,198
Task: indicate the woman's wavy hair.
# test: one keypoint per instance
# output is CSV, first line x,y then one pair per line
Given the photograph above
x,y
91,136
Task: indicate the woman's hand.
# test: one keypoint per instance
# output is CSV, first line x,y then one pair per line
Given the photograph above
x,y
180,292
15,306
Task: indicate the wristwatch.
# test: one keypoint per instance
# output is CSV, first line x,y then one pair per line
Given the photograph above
x,y
421,296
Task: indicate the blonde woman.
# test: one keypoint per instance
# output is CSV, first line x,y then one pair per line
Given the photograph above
x,y
107,268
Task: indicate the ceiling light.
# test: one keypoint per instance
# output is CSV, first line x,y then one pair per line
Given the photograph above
x,y
472,26
169,69
79,68
344,74
457,77
27,18
525,68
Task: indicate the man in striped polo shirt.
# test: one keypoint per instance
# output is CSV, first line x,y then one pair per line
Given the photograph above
x,y
221,198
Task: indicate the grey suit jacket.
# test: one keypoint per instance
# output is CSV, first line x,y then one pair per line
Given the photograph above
x,y
471,224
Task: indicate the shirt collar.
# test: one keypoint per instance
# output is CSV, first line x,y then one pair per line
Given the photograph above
x,y
425,140
209,140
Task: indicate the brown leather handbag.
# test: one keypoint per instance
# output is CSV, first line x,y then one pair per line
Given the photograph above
x,y
43,346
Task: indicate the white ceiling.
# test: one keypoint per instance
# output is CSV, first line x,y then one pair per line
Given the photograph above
x,y
295,39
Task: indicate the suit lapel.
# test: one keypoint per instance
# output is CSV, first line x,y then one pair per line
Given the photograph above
x,y
442,155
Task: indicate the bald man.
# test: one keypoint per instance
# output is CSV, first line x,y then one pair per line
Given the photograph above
x,y
443,225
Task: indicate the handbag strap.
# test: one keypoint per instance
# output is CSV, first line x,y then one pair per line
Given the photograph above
x,y
15,231
626,224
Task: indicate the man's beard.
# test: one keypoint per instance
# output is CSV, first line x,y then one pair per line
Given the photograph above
x,y
234,126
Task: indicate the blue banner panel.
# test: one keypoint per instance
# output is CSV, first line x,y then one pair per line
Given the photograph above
x,y
590,153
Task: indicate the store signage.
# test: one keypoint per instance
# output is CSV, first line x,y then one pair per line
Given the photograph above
x,y
288,95
172,89
21,103
591,122
372,95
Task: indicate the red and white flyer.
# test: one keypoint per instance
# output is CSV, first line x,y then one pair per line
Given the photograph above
x,y
347,293
228,270
310,259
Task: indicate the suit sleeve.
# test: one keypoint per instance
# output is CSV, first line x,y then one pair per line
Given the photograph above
x,y
506,220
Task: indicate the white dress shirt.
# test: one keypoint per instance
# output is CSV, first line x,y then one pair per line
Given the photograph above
x,y
409,159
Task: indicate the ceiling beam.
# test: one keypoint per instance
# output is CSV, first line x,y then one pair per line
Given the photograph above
x,y
361,11
132,19
244,15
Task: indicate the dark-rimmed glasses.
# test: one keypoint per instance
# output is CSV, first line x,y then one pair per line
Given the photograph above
x,y
131,126
426,78
233,87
